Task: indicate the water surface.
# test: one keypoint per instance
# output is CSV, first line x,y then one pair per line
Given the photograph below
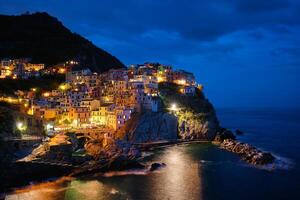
x,y
200,171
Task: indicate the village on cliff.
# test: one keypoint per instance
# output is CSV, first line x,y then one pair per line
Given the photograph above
x,y
87,101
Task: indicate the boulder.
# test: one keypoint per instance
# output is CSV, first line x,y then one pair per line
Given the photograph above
x,y
224,134
247,152
156,166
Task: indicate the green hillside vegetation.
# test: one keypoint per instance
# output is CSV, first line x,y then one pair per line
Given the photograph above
x,y
170,93
192,112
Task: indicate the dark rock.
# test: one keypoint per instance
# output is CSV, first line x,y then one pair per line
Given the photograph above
x,y
224,134
122,163
239,132
156,166
247,152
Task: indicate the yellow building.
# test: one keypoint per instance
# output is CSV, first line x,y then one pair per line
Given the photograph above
x,y
100,116
50,113
34,67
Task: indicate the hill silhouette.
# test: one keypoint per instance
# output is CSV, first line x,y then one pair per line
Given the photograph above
x,y
46,40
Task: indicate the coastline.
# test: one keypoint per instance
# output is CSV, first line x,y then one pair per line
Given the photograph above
x,y
40,172
166,143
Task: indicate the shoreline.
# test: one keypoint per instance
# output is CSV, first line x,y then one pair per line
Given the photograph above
x,y
37,172
166,143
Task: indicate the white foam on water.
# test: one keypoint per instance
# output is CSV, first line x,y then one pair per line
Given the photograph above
x,y
280,163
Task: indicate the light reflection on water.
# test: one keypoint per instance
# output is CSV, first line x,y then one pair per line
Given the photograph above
x,y
179,180
199,171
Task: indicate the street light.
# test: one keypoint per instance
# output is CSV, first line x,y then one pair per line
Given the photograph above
x,y
46,94
49,126
174,107
21,126
62,87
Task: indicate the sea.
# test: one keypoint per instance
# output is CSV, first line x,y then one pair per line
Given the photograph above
x,y
199,171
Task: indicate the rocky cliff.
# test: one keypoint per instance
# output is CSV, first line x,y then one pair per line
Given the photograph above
x,y
152,126
195,118
195,114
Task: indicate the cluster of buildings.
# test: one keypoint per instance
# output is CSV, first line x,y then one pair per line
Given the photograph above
x,y
107,100
22,68
19,68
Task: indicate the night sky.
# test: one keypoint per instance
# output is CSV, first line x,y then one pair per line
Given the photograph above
x,y
246,53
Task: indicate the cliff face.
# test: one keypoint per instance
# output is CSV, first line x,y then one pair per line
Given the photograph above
x,y
197,126
46,40
195,118
153,127
196,115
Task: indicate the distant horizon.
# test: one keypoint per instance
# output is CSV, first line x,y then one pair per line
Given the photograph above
x,y
244,53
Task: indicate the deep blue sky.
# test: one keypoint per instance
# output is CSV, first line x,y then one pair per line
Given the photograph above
x,y
245,52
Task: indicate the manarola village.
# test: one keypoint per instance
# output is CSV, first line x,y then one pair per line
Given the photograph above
x,y
199,101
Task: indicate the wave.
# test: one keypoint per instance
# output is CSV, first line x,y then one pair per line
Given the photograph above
x,y
280,163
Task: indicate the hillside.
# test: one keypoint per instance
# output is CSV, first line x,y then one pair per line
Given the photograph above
x,y
195,119
46,40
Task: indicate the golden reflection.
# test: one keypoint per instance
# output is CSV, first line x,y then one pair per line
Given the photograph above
x,y
43,191
180,179
67,188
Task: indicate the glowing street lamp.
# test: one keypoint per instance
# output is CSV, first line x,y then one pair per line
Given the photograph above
x,y
62,87
46,94
174,107
21,126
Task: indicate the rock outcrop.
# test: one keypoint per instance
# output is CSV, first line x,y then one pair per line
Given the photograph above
x,y
226,140
223,134
196,115
247,152
197,126
153,127
59,148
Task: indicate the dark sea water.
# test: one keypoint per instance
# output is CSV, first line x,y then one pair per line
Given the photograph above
x,y
200,171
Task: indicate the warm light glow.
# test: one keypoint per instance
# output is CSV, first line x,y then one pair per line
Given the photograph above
x,y
181,82
173,107
62,87
75,123
160,79
33,89
46,94
21,126
61,70
49,126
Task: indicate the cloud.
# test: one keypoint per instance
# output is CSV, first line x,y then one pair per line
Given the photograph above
x,y
247,45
